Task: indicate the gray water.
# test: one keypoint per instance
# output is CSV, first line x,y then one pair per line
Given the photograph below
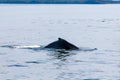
x,y
38,25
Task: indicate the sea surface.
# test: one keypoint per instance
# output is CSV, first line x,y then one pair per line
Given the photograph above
x,y
24,29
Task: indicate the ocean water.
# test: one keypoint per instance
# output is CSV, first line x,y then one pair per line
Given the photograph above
x,y
25,28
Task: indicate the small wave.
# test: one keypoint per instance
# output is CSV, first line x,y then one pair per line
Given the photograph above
x,y
33,62
87,49
91,79
16,65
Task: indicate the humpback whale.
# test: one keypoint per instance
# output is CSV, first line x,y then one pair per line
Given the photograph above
x,y
61,44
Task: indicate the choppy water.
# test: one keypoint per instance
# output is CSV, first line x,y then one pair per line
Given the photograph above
x,y
23,26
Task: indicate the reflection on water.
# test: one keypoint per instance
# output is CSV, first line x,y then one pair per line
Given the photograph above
x,y
61,54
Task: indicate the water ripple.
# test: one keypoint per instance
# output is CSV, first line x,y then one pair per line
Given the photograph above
x,y
16,65
33,62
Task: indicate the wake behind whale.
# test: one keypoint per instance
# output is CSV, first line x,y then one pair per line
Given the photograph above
x,y
60,44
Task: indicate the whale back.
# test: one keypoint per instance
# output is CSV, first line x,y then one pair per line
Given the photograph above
x,y
61,44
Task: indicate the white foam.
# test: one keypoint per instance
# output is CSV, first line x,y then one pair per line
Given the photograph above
x,y
30,46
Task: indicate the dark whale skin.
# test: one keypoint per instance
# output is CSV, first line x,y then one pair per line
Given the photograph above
x,y
61,44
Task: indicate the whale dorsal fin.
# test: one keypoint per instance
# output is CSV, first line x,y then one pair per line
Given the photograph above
x,y
60,39
61,44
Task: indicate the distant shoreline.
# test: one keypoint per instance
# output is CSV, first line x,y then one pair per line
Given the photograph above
x,y
93,2
55,3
